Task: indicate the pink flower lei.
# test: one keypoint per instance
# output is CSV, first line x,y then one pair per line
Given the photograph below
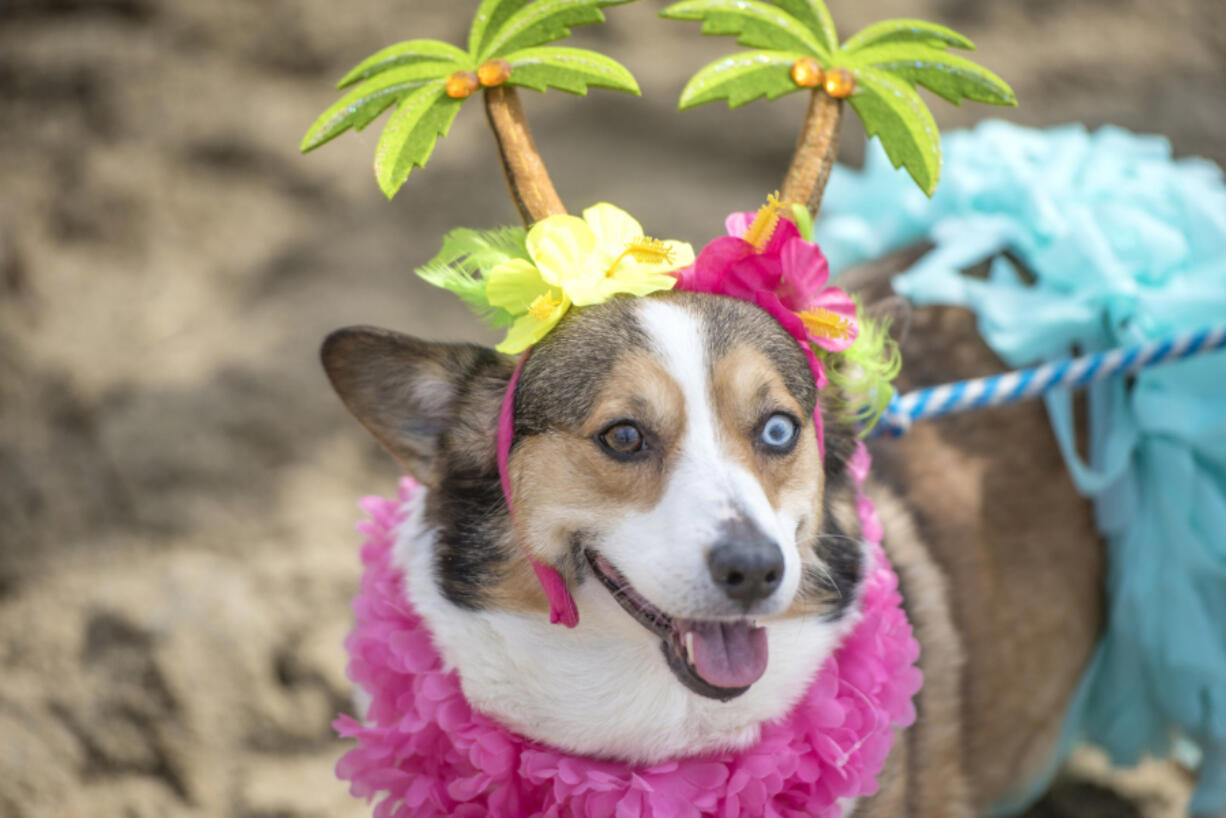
x,y
429,753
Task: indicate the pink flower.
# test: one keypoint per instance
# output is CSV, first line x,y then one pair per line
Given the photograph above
x,y
764,260
787,278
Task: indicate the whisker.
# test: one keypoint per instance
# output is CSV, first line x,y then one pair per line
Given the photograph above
x,y
830,536
825,572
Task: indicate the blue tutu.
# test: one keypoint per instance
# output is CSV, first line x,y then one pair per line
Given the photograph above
x,y
1126,245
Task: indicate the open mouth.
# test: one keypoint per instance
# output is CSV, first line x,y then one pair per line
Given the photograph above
x,y
716,659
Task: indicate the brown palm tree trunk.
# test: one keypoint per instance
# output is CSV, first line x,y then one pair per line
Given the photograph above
x,y
815,152
531,188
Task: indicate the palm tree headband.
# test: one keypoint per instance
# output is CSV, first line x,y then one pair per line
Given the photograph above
x,y
526,279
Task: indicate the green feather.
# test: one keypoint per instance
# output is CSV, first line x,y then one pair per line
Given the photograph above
x,y
464,262
568,69
741,78
892,110
407,53
906,31
949,76
409,137
360,106
861,376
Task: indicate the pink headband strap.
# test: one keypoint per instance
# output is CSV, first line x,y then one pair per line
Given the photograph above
x,y
562,607
819,377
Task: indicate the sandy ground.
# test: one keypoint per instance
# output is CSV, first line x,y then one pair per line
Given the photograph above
x,y
177,482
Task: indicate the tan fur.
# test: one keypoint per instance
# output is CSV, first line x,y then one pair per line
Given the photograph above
x,y
821,603
891,798
564,477
930,753
1025,572
1003,578
639,387
519,590
746,387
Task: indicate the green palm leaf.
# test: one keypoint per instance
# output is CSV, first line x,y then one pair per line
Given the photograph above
x,y
815,15
360,106
568,69
407,53
490,17
541,22
408,139
742,78
950,76
906,31
892,110
757,24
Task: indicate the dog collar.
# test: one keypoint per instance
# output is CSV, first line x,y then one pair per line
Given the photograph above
x,y
427,752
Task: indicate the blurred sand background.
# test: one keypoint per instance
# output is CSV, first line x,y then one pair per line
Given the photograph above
x,y
177,481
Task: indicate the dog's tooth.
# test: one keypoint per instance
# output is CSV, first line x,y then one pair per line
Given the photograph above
x,y
689,647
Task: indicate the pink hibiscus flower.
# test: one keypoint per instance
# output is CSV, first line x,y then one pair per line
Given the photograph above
x,y
787,278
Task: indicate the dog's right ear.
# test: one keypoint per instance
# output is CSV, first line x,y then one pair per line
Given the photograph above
x,y
411,394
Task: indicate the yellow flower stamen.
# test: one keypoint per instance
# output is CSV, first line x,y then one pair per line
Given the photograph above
x,y
542,307
651,251
644,249
764,223
823,323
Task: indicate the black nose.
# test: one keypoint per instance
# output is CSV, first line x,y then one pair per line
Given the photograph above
x,y
745,563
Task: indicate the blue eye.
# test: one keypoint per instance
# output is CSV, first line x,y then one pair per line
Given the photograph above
x,y
779,432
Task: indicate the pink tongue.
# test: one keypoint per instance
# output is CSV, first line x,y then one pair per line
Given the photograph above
x,y
727,654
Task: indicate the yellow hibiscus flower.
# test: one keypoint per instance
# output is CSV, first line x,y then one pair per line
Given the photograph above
x,y
581,262
518,287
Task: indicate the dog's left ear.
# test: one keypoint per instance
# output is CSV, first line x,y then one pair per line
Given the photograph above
x,y
411,395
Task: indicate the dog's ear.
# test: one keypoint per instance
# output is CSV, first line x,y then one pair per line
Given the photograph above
x,y
412,395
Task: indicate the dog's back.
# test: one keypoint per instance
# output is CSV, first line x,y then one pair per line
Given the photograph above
x,y
1002,571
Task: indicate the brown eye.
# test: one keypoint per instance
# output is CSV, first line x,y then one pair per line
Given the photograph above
x,y
622,440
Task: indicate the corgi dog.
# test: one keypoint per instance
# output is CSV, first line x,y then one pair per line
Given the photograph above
x,y
664,459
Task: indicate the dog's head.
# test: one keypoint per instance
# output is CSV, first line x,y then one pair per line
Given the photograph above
x,y
664,460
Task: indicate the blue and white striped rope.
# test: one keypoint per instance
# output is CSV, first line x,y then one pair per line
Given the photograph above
x,y
1031,383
